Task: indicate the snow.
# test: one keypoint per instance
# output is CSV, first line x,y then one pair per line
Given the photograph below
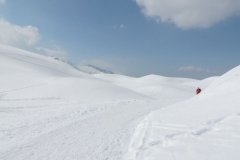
x,y
203,83
206,126
50,110
154,86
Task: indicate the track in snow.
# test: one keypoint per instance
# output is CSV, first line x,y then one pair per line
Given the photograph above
x,y
71,130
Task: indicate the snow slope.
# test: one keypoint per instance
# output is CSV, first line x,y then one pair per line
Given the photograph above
x,y
21,70
203,84
50,110
205,127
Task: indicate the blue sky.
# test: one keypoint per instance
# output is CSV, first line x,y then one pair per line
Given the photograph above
x,y
136,37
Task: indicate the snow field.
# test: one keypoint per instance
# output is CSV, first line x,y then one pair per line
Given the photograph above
x,y
50,110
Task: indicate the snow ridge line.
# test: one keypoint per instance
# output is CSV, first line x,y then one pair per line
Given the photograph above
x,y
33,58
38,65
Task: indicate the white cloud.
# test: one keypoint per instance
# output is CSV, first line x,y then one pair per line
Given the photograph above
x,y
211,71
98,63
57,52
196,69
190,13
18,36
190,68
2,1
26,38
121,26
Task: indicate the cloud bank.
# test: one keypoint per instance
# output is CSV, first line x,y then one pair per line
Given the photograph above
x,y
18,36
188,14
25,38
196,69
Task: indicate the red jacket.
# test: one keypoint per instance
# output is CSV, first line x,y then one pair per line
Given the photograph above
x,y
198,91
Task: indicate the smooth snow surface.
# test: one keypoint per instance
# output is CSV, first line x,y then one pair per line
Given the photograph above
x,y
50,110
154,86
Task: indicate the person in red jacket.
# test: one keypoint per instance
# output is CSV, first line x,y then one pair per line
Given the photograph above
x,y
198,91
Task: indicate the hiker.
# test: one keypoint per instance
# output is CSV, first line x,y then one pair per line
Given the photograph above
x,y
198,90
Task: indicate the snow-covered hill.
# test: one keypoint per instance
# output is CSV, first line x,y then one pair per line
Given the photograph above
x,y
158,87
32,75
51,110
203,127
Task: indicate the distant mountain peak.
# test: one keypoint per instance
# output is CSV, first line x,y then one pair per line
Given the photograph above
x,y
91,69
67,62
101,69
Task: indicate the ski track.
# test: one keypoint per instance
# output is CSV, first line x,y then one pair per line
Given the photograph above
x,y
58,128
86,117
141,143
65,130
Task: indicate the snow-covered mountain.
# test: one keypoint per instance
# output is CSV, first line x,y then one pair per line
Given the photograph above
x,y
51,110
67,62
71,64
91,69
